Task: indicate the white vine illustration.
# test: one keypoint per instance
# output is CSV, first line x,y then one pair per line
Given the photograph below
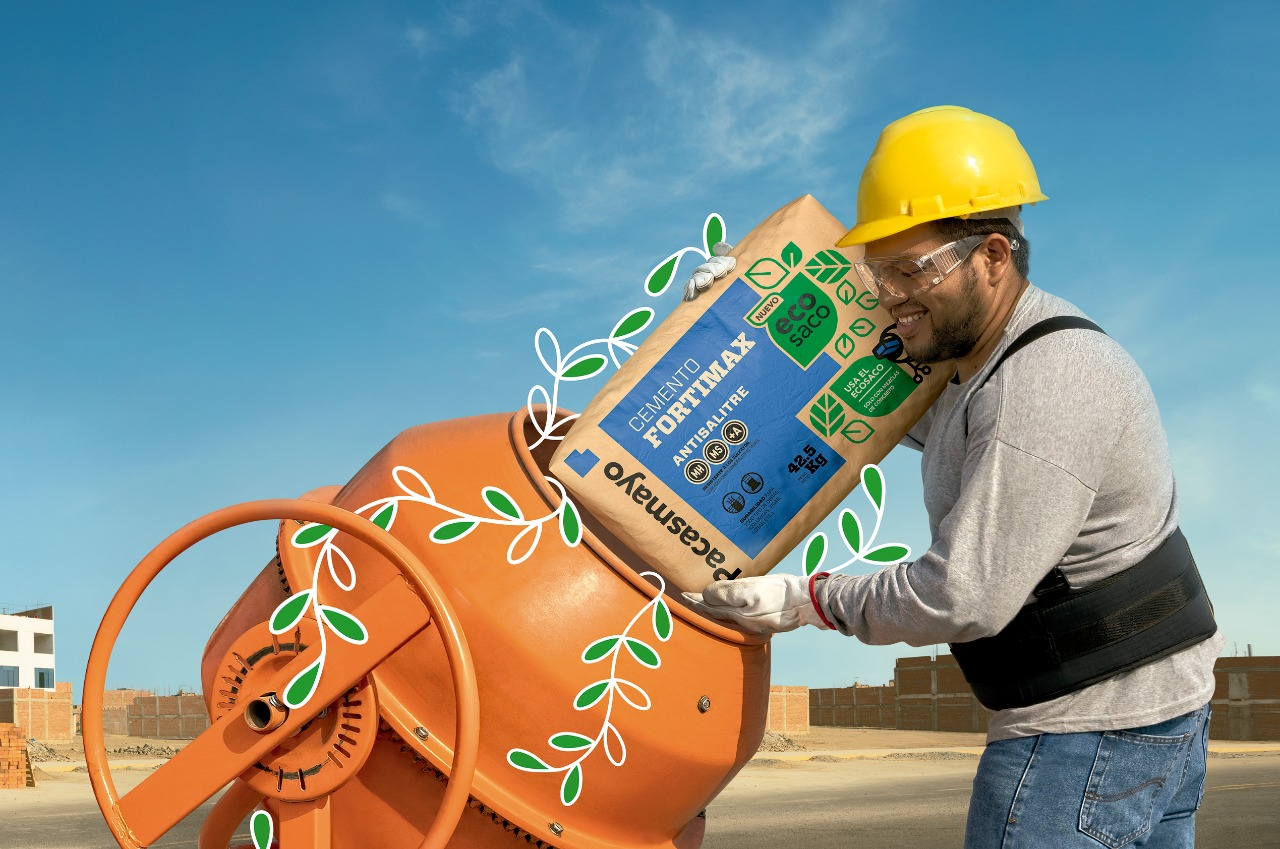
x,y
606,689
862,549
578,365
383,512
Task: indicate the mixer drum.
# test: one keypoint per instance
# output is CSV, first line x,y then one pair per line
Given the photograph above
x,y
610,713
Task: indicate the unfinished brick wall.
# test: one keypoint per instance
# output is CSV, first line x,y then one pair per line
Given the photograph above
x,y
1246,699
788,710
45,714
932,695
853,707
115,709
15,771
180,717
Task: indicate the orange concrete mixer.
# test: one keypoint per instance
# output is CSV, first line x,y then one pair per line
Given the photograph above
x,y
447,652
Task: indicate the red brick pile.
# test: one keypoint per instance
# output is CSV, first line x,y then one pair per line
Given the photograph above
x,y
15,772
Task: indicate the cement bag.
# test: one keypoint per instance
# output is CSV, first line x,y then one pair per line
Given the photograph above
x,y
748,414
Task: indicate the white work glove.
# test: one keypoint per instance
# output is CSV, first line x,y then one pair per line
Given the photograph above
x,y
764,605
710,271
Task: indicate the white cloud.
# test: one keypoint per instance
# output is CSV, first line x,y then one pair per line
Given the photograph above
x,y
693,107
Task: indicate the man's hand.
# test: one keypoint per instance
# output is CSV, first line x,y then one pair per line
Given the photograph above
x,y
710,271
764,605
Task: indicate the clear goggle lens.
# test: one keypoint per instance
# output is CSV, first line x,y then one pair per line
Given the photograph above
x,y
905,276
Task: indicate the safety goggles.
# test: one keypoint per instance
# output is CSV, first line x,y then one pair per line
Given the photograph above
x,y
908,276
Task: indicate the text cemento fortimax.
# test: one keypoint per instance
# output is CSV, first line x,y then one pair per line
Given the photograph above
x,y
748,414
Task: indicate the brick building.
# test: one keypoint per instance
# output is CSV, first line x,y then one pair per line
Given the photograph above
x,y
44,713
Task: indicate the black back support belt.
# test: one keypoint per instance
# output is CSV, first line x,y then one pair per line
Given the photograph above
x,y
1069,639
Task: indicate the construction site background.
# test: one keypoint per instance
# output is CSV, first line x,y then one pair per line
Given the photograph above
x,y
930,694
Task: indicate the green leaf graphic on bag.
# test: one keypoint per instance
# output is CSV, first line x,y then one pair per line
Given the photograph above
x,y
828,267
862,327
867,301
805,322
827,414
791,255
844,345
846,293
766,273
857,431
873,387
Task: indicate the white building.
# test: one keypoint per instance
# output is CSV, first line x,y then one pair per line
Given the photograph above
x,y
26,648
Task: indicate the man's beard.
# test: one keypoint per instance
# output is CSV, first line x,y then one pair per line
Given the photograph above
x,y
959,336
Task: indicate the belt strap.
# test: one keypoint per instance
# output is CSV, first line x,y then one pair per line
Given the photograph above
x,y
1070,639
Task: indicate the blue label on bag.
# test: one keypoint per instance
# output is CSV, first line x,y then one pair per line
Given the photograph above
x,y
715,421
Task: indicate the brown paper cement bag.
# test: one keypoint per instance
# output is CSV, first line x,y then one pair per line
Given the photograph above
x,y
747,415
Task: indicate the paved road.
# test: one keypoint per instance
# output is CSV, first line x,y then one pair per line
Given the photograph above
x,y
905,801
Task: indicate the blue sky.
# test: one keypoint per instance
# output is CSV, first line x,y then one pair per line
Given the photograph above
x,y
241,248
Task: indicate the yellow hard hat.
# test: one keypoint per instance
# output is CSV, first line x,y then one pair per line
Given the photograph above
x,y
941,162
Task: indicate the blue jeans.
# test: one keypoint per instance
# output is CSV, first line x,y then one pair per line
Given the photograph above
x,y
1136,787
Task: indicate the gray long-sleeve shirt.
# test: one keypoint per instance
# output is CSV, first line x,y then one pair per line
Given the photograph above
x,y
1059,459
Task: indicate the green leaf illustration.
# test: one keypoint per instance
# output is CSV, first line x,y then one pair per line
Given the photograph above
x,y
289,612
262,829
384,517
862,327
867,301
792,254
892,553
829,267
766,273
570,524
299,691
345,625
857,431
309,535
571,787
643,652
501,503
527,761
591,694
827,414
851,530
844,345
567,741
660,278
873,484
452,530
632,323
712,231
662,620
588,366
599,649
846,292
815,551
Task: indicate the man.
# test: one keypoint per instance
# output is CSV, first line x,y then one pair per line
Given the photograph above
x,y
1056,568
